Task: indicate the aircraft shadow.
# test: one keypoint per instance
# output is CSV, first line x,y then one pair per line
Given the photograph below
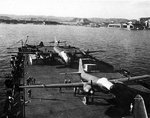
x,y
116,112
100,103
72,65
125,96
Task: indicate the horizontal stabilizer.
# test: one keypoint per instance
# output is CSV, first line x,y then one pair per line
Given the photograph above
x,y
70,73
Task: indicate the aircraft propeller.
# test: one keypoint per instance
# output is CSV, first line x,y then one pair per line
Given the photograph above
x,y
91,90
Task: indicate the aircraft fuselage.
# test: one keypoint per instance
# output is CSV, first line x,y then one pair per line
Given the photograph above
x,y
62,54
102,83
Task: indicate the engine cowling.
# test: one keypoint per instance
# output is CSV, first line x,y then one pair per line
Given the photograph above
x,y
87,88
104,84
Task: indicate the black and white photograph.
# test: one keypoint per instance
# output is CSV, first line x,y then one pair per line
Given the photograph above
x,y
74,58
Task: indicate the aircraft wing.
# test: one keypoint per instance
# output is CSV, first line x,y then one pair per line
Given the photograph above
x,y
80,84
96,51
88,52
63,85
32,52
129,79
23,52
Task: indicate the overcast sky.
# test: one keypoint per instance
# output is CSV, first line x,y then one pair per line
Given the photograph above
x,y
78,8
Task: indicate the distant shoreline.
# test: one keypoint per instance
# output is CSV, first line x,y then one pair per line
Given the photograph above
x,y
143,23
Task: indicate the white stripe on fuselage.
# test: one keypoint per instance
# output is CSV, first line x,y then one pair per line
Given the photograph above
x,y
62,54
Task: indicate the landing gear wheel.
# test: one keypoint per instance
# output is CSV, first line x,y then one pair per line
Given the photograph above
x,y
79,90
86,100
75,91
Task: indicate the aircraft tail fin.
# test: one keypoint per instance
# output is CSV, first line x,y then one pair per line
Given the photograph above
x,y
56,43
139,110
80,70
80,66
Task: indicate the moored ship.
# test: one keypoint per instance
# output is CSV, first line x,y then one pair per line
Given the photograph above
x,y
31,68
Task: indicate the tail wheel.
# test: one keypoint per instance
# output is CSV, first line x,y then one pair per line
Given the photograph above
x,y
86,100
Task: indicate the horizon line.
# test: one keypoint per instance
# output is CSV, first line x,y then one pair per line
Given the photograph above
x,y
74,16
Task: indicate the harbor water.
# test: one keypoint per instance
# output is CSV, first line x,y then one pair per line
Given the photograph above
x,y
123,49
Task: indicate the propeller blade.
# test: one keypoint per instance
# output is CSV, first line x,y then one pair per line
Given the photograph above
x,y
91,83
92,89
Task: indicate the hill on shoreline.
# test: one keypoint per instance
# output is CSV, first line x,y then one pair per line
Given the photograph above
x,y
61,19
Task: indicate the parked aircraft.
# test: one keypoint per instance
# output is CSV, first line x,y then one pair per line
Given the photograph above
x,y
67,53
90,83
62,53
